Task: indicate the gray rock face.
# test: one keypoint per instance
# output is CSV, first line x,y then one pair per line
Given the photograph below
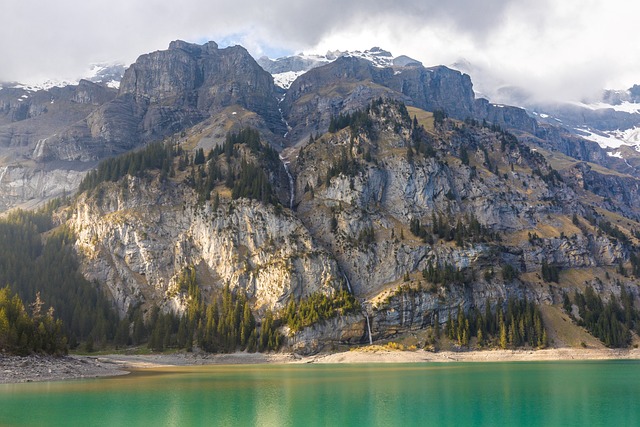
x,y
28,120
26,117
349,83
350,329
291,63
161,94
203,78
26,186
137,241
165,92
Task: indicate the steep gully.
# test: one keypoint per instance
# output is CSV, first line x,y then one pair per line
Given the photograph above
x,y
286,163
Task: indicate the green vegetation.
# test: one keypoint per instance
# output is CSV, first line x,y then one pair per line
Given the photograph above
x,y
446,275
613,231
252,183
466,230
550,273
611,322
32,265
23,334
156,156
552,178
516,324
318,307
345,165
225,325
228,325
357,121
439,116
245,178
362,121
509,272
635,264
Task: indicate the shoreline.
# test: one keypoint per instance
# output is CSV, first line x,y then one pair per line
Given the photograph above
x,y
15,369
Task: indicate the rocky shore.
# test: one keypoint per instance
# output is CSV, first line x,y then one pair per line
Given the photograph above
x,y
14,369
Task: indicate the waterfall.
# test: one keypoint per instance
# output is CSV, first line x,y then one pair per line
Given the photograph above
x,y
346,279
366,315
282,116
285,163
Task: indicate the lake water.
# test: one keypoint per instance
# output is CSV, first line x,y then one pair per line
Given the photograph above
x,y
603,393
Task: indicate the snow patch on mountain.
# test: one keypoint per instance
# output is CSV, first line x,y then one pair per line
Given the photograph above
x,y
108,74
603,140
625,107
285,70
630,136
378,57
284,80
613,140
35,86
617,154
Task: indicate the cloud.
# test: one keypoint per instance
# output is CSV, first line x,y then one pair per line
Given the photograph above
x,y
541,44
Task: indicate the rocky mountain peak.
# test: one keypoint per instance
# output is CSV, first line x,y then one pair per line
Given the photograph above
x,y
285,70
193,48
200,77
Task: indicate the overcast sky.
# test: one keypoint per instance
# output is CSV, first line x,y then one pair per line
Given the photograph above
x,y
558,49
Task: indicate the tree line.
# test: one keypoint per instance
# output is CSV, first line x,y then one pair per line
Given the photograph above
x,y
514,324
610,322
318,307
226,165
224,325
155,156
33,265
23,333
466,230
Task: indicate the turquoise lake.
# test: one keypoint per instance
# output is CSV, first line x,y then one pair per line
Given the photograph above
x,y
590,393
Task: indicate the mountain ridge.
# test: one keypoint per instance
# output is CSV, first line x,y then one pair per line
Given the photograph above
x,y
364,202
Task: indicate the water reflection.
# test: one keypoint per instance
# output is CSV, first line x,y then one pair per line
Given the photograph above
x,y
550,393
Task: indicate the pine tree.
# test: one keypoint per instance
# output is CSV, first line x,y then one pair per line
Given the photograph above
x,y
503,334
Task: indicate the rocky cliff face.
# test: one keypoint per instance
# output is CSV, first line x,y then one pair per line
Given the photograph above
x,y
416,218
138,238
203,78
417,215
29,117
27,121
507,188
164,93
27,186
350,83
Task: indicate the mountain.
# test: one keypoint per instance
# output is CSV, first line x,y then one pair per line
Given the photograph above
x,y
106,74
610,119
374,199
286,69
53,136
